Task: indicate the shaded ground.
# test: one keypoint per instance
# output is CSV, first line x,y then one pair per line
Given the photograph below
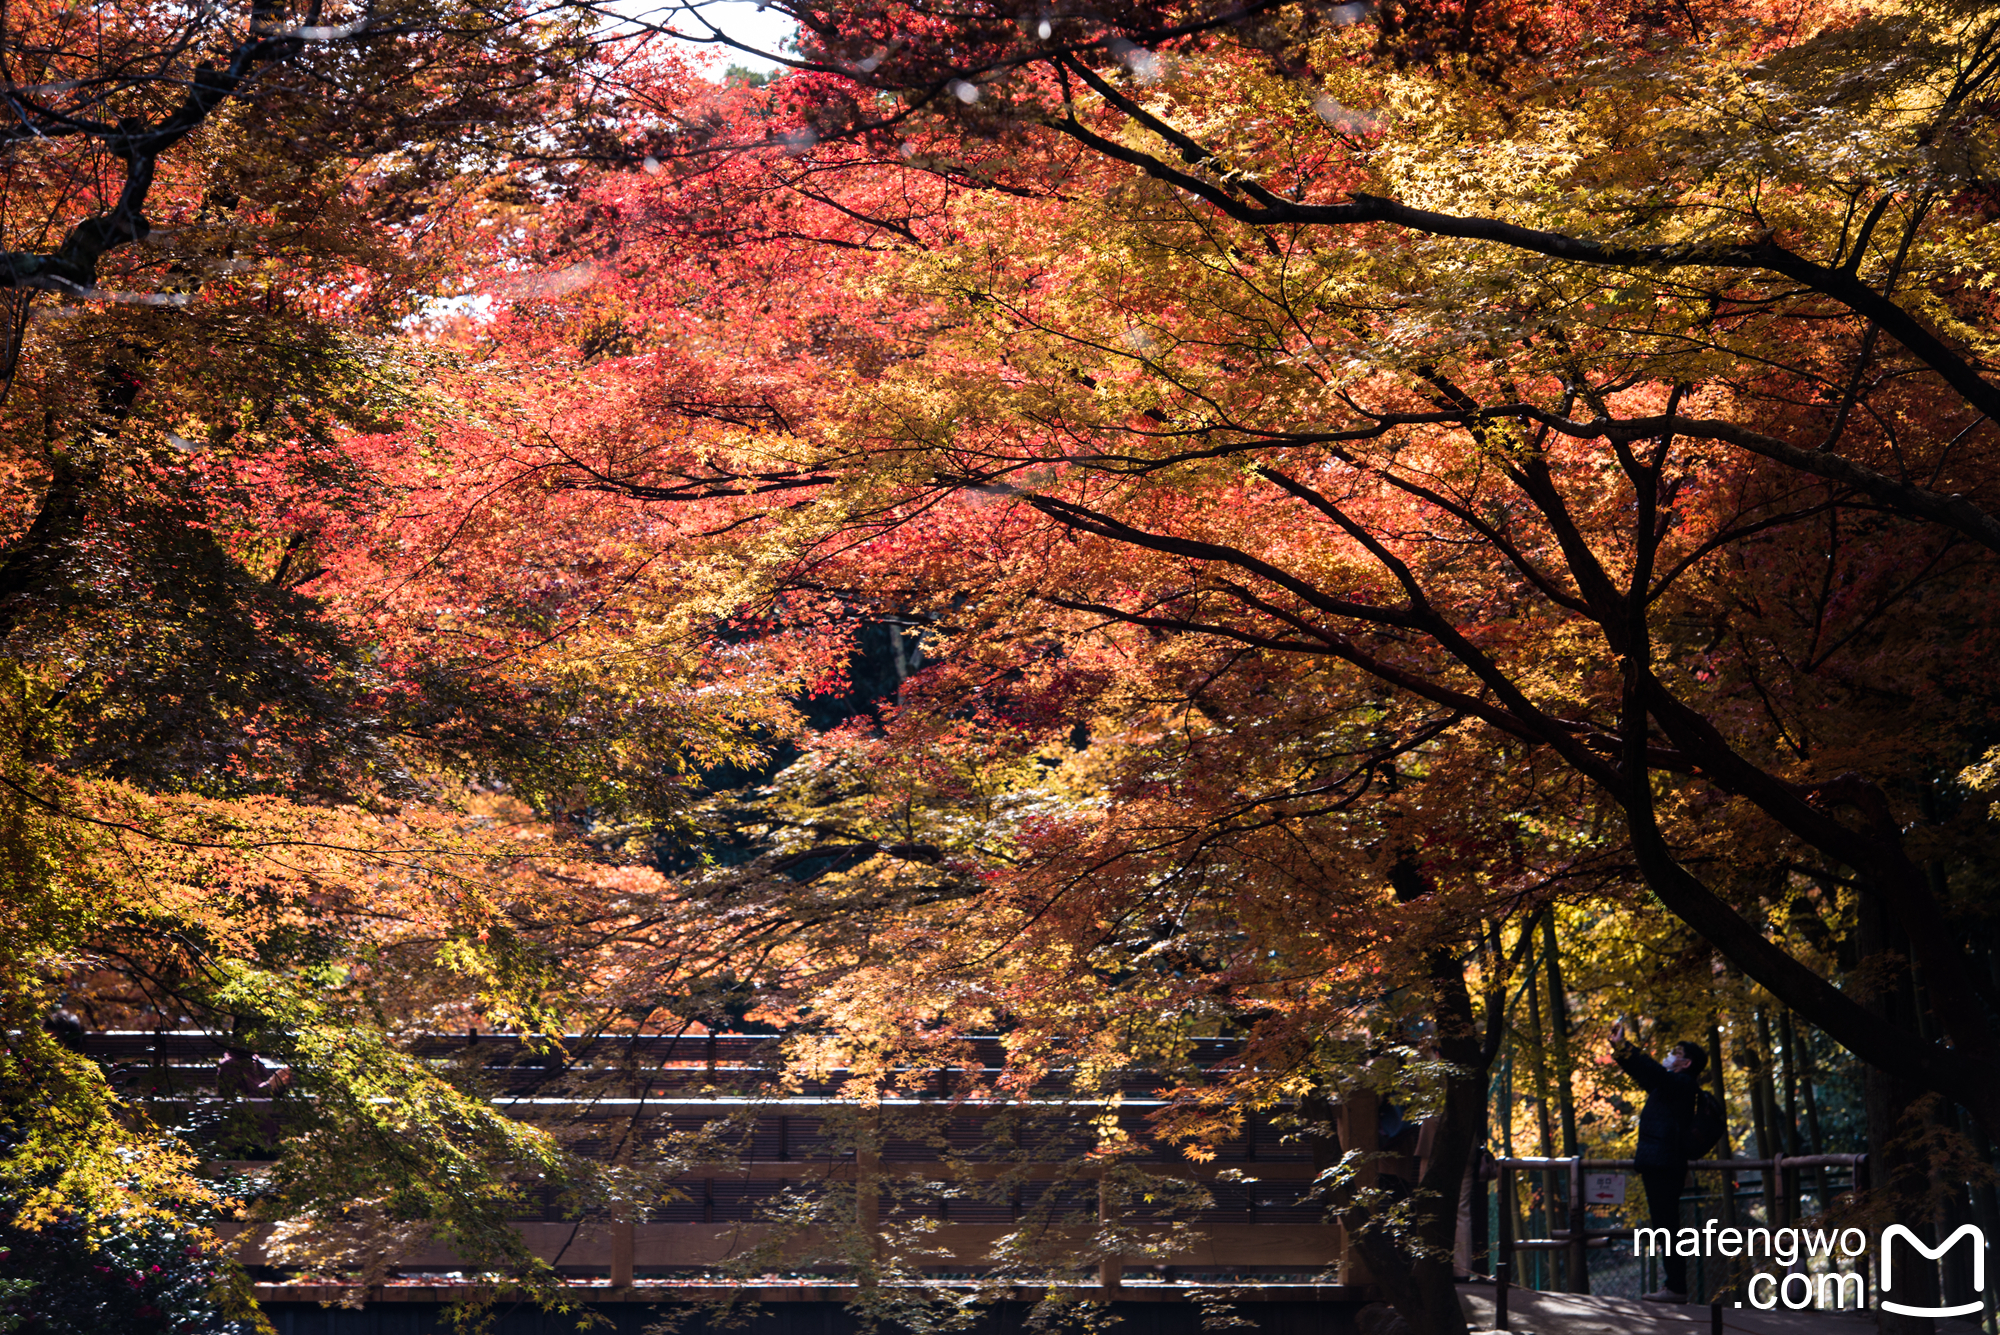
x,y
1531,1313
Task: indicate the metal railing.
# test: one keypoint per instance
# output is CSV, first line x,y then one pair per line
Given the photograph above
x,y
1578,1239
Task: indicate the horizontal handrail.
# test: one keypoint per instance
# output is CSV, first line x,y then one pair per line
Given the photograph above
x,y
1775,1163
1244,1171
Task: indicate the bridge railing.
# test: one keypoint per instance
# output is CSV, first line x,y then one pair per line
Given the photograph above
x,y
1565,1182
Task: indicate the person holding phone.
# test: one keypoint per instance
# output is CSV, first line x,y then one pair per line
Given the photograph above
x,y
1673,1087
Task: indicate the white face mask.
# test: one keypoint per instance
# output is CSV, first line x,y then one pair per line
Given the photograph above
x,y
1675,1062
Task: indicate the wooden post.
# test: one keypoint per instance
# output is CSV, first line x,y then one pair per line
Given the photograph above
x,y
1360,1122
621,1254
868,1192
1110,1270
250,1243
867,1167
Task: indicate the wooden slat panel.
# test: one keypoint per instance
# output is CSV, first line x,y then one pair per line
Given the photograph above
x,y
659,1246
842,1170
680,1292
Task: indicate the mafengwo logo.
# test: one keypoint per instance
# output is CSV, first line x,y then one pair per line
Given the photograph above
x,y
1832,1289
1894,1231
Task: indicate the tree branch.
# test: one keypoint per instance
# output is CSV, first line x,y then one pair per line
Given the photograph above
x,y
1265,209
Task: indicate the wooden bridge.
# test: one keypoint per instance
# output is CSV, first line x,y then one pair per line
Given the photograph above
x,y
937,1176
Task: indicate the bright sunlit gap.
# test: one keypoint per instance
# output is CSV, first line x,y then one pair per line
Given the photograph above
x,y
705,24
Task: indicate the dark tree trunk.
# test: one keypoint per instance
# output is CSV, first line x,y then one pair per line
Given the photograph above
x,y
1718,1066
1413,1264
1414,1268
1899,1172
1538,1060
1899,1183
1565,1074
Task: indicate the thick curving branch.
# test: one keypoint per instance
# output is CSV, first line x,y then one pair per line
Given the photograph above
x,y
72,268
1843,1018
1249,202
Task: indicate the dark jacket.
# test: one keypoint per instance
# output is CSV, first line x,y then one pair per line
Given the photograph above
x,y
1664,1121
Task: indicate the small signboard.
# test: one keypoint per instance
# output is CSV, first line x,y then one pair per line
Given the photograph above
x,y
1604,1188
